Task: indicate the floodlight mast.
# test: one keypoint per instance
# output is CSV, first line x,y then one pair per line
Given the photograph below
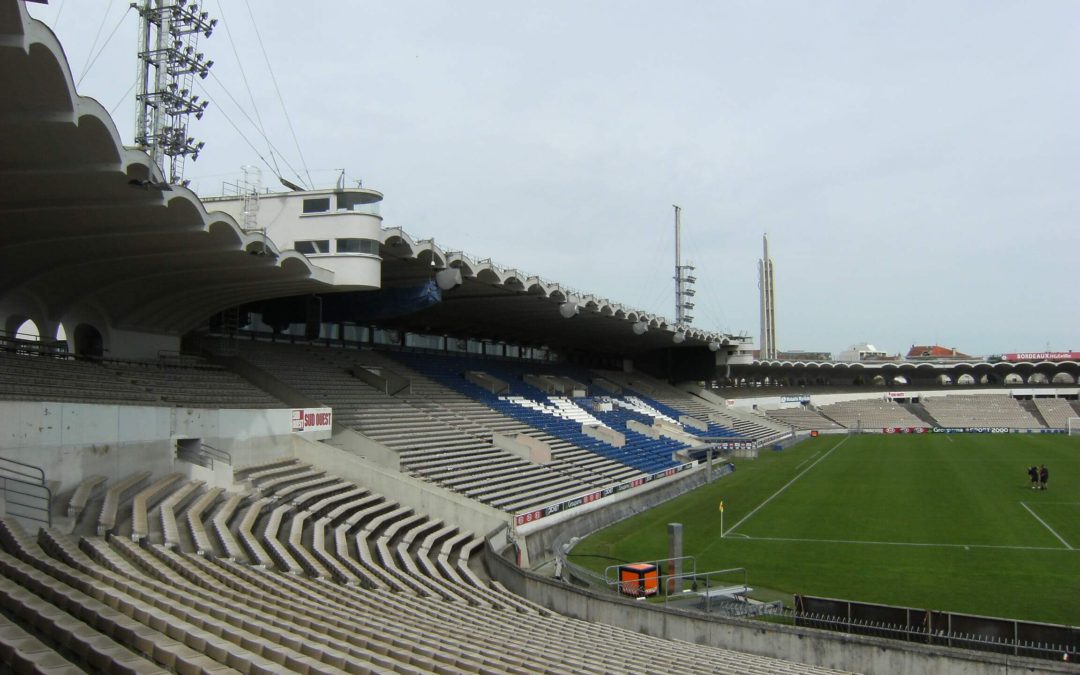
x,y
684,279
168,35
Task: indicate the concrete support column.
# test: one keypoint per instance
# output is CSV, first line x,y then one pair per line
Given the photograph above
x,y
675,551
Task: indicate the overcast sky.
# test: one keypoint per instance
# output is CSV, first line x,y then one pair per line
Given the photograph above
x,y
915,164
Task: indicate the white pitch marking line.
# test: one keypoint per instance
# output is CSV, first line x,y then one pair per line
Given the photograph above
x,y
1036,516
807,460
786,486
901,543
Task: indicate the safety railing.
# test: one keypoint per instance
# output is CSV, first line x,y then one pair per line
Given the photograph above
x,y
24,491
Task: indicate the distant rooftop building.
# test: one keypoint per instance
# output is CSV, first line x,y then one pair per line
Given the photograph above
x,y
934,352
767,339
863,352
803,355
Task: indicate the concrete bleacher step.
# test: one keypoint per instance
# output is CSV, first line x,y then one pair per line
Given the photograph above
x,y
55,587
171,533
428,417
107,519
241,473
21,652
193,520
82,495
143,500
230,547
249,643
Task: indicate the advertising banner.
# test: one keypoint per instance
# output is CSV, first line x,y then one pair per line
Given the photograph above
x,y
1041,356
312,419
566,505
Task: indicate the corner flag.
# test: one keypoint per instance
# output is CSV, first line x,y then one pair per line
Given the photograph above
x,y
721,507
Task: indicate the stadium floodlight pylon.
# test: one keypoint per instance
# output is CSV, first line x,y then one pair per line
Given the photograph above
x,y
168,36
684,280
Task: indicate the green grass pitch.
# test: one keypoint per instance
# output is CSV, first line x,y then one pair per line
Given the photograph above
x,y
936,521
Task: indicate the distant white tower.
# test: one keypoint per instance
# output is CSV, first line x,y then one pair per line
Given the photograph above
x,y
767,344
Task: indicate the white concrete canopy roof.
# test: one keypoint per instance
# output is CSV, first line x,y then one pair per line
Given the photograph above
x,y
505,304
86,222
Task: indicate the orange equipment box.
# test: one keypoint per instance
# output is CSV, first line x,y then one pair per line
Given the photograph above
x,y
639,579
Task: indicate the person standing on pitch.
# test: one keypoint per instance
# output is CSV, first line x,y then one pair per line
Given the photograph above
x,y
1033,473
1044,475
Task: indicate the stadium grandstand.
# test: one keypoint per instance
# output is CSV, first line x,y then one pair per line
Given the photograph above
x,y
230,449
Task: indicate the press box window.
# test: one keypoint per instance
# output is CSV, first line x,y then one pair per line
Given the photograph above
x,y
321,205
313,246
369,246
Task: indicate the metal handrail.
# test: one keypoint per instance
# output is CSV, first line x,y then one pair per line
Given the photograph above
x,y
909,633
6,484
215,453
21,472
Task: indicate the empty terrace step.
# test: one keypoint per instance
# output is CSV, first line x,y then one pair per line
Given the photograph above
x,y
82,495
140,520
111,505
919,411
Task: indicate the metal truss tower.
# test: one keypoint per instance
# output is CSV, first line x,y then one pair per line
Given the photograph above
x,y
684,280
169,32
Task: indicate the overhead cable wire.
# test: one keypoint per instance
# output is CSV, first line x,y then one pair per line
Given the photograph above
x,y
121,99
104,45
662,284
243,112
59,13
243,76
281,100
93,45
234,125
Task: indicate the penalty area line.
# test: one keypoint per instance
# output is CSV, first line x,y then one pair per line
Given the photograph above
x,y
1050,529
914,544
786,486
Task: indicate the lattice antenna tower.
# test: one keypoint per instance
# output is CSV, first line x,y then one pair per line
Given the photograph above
x,y
684,279
169,61
250,186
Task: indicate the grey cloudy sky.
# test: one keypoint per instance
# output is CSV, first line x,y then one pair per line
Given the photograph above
x,y
916,164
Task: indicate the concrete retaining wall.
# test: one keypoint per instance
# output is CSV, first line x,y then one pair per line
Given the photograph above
x,y
279,389
832,650
542,383
366,448
423,496
606,434
539,539
71,441
669,430
571,387
488,383
524,446
693,423
642,428
382,379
